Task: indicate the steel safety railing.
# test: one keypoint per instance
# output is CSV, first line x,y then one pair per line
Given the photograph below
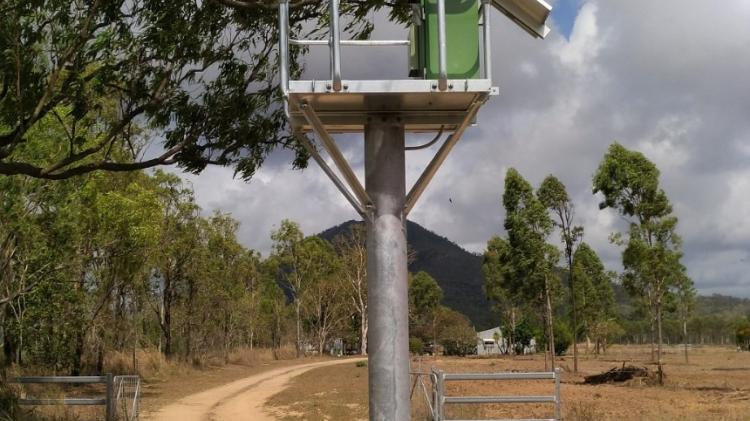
x,y
124,390
441,399
430,396
107,401
335,42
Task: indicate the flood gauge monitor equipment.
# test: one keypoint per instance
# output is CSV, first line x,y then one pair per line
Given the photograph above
x,y
448,79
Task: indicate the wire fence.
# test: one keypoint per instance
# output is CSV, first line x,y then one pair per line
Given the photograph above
x,y
127,397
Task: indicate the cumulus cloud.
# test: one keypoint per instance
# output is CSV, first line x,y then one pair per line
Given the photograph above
x,y
666,78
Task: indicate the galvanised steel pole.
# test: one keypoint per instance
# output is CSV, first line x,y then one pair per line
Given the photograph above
x,y
388,335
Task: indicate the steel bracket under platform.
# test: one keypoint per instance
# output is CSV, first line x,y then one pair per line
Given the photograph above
x,y
351,187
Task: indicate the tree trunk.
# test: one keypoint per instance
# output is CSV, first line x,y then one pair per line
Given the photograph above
x,y
252,333
78,356
659,337
653,336
575,313
167,315
299,332
189,333
512,331
363,335
100,358
685,338
550,329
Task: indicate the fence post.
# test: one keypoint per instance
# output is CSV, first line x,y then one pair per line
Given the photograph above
x,y
558,414
441,393
110,405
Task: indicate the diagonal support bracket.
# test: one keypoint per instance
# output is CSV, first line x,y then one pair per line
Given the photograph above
x,y
361,200
310,147
432,168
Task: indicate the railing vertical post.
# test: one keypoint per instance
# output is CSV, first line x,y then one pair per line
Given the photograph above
x,y
441,395
486,13
558,414
442,48
435,395
110,405
284,51
335,46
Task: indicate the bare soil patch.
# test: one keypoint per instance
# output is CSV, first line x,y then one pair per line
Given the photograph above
x,y
693,391
239,400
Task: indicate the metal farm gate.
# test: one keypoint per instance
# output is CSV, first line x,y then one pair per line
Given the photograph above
x,y
437,398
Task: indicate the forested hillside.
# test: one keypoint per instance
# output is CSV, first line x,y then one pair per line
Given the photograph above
x,y
458,272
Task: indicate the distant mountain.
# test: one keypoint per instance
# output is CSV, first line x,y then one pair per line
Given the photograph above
x,y
457,271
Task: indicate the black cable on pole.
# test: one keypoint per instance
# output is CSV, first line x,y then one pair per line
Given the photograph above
x,y
428,144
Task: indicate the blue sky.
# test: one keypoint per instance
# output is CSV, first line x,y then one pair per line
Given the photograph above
x,y
564,15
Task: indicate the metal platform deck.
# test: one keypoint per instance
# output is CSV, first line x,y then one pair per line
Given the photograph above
x,y
421,105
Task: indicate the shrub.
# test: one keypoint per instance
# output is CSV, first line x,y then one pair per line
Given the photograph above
x,y
416,346
456,335
563,337
743,335
361,363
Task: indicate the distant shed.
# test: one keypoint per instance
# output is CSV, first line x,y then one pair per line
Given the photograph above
x,y
491,342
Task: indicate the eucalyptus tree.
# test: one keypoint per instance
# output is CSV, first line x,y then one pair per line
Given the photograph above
x,y
685,297
594,294
533,260
742,334
178,242
224,284
286,256
554,196
652,252
500,283
200,75
324,302
425,296
352,252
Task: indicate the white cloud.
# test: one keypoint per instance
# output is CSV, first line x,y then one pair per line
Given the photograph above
x,y
666,78
585,41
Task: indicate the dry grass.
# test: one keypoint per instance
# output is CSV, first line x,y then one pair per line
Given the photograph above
x,y
339,397
164,380
713,386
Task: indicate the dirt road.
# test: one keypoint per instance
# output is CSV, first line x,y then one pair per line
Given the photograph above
x,y
241,400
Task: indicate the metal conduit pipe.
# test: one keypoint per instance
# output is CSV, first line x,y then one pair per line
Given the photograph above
x,y
487,35
442,53
335,46
284,52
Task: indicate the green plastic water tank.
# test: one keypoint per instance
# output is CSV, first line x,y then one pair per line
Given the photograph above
x,y
462,40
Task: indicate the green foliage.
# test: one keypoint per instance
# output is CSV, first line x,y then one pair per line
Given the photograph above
x,y
523,333
361,364
498,272
531,259
425,294
416,346
520,271
742,334
652,251
104,263
351,250
593,289
456,334
198,74
563,337
554,196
